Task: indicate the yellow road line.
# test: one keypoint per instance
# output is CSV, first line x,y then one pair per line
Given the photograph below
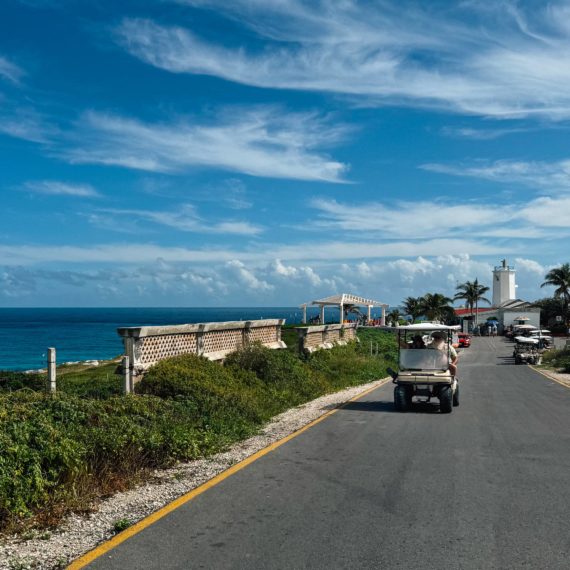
x,y
157,515
545,374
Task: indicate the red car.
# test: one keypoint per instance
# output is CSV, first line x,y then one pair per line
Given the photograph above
x,y
463,340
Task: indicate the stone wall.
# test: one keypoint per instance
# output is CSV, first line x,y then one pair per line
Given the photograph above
x,y
146,346
325,336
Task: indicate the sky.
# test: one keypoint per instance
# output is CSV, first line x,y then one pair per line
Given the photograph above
x,y
268,153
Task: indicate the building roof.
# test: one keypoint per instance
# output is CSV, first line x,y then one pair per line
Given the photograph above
x,y
462,312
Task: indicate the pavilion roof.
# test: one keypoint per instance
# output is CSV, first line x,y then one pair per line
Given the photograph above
x,y
347,299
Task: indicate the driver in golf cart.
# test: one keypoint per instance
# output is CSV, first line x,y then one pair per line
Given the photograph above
x,y
439,342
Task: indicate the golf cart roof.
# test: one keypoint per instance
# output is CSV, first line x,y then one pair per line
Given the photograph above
x,y
541,331
525,327
428,327
526,340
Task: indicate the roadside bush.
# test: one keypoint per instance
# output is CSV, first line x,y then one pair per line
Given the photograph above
x,y
11,381
290,381
559,359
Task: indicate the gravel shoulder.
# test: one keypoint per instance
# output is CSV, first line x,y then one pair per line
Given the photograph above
x,y
80,533
558,376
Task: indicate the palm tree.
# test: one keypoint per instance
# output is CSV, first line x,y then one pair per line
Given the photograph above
x,y
472,292
412,306
559,277
394,317
435,306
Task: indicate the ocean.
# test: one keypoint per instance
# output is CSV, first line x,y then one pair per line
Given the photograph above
x,y
91,334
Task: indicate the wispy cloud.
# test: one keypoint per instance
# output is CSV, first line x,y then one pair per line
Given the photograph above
x,y
56,188
262,141
10,71
535,174
131,253
480,134
436,219
504,60
25,124
185,219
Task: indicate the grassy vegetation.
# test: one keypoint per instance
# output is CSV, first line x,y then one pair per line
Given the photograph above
x,y
557,359
58,453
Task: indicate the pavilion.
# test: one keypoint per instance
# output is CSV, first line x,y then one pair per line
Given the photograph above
x,y
345,302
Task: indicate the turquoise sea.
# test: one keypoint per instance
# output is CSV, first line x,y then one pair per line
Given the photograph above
x,y
91,334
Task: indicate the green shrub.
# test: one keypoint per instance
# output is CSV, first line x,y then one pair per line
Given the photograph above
x,y
559,359
11,381
290,380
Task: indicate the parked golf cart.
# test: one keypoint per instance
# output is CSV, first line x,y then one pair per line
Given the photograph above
x,y
423,372
527,350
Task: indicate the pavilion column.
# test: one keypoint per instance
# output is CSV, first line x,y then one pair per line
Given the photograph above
x,y
383,317
304,314
369,312
322,314
341,313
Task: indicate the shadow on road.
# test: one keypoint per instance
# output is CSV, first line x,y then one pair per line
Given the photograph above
x,y
388,407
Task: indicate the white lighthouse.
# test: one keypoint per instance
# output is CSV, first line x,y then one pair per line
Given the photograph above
x,y
504,288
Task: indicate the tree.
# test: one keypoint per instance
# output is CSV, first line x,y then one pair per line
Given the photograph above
x,y
435,306
394,317
472,292
559,277
412,306
550,308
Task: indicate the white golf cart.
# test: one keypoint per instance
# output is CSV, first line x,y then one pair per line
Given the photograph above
x,y
423,372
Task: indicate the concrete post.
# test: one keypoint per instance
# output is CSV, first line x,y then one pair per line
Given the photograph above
x,y
369,312
383,317
51,366
341,314
322,314
304,314
126,367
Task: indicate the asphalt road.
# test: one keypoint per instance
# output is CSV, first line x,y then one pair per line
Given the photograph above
x,y
487,486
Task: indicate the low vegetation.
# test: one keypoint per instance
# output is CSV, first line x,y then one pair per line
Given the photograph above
x,y
558,360
60,452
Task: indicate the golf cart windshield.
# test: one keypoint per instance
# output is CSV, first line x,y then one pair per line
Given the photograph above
x,y
423,359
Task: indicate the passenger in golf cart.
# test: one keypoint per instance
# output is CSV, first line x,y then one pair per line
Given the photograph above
x,y
427,372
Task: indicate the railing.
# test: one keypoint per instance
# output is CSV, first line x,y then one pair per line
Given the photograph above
x,y
324,336
145,346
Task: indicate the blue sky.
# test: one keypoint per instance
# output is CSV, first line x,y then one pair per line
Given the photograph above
x,y
210,153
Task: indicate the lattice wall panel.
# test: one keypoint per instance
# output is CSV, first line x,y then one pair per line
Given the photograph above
x,y
265,335
155,348
217,341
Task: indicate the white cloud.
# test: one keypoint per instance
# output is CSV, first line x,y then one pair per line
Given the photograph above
x,y
10,71
536,174
56,188
504,60
438,218
185,219
25,124
261,141
132,253
242,283
413,219
246,276
480,134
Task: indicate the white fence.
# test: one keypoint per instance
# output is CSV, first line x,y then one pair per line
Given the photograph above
x,y
145,346
325,336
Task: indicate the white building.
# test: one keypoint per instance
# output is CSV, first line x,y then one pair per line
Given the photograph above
x,y
507,310
504,287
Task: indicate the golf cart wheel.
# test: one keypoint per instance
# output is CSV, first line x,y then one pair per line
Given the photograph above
x,y
445,400
401,399
456,396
